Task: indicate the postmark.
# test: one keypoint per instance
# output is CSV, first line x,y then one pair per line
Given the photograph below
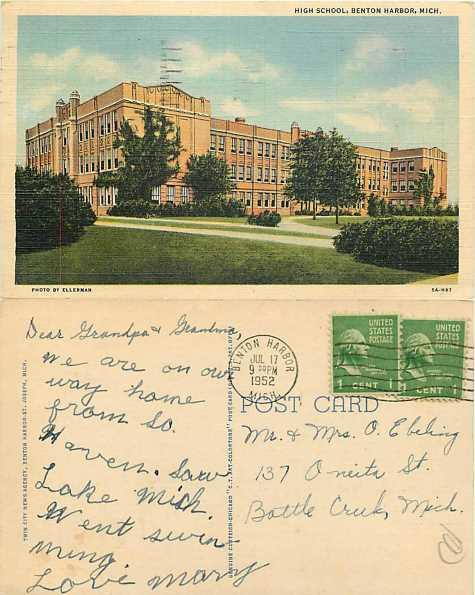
x,y
263,368
365,353
432,358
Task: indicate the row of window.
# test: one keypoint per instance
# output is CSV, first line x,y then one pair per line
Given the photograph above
x,y
401,166
86,192
402,186
107,196
265,174
108,123
171,193
263,199
40,146
244,146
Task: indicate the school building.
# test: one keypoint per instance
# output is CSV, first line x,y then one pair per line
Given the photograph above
x,y
78,140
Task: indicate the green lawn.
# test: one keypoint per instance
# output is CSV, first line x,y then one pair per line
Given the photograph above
x,y
113,255
190,225
329,221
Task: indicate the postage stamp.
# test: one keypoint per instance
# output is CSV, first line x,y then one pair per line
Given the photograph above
x,y
263,368
432,358
365,353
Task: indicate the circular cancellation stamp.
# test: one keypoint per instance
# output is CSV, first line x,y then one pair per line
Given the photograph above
x,y
263,368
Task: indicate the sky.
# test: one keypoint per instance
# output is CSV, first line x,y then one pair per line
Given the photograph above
x,y
380,81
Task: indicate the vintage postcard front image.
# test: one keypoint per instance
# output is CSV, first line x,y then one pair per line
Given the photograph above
x,y
271,146
193,448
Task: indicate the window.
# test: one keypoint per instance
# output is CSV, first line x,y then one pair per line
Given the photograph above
x,y
184,194
259,174
109,158
266,200
213,142
249,147
116,158
266,174
81,164
233,144
114,195
410,185
221,143
272,177
259,149
395,168
272,200
402,186
282,177
241,145
156,193
101,160
241,172
114,121
93,165
241,196
259,199
394,186
282,203
402,167
248,173
267,153
92,128
102,125
411,166
86,163
86,130
248,198
171,193
81,132
233,172
274,151
108,123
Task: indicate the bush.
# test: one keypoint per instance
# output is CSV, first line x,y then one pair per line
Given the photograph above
x,y
49,211
265,219
427,245
142,208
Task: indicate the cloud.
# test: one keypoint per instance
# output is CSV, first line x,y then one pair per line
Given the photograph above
x,y
197,61
420,101
96,66
46,98
370,52
236,108
362,122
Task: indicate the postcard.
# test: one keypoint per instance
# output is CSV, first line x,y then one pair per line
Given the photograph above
x,y
195,447
239,148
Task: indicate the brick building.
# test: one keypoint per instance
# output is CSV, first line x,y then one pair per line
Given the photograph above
x,y
78,141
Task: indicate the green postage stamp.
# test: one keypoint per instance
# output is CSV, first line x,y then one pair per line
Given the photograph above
x,y
432,362
409,358
365,353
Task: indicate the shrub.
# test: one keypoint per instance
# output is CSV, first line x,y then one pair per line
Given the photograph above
x,y
265,219
143,208
427,245
49,211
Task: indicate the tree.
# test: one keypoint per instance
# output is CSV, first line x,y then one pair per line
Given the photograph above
x,y
372,205
323,169
341,185
209,178
424,186
49,211
149,160
307,169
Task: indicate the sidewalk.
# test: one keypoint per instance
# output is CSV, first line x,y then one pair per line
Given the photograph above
x,y
259,237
